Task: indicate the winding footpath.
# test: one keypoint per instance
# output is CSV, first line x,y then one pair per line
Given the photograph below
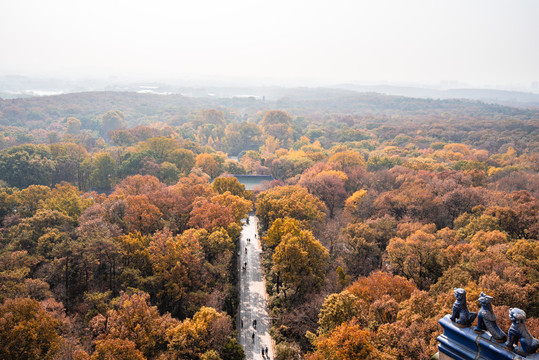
x,y
253,337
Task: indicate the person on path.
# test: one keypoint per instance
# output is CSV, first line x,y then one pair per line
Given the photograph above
x,y
267,351
262,352
253,336
241,323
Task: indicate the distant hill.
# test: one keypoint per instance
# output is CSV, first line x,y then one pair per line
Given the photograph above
x,y
147,107
503,97
15,86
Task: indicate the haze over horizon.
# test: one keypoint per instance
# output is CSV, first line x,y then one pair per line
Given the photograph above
x,y
480,43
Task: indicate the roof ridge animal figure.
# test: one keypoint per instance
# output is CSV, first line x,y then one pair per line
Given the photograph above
x,y
519,332
486,319
461,316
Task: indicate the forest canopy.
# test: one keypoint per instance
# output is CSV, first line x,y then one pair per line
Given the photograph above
x,y
120,219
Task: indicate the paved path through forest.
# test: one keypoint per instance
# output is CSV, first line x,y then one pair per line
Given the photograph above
x,y
253,297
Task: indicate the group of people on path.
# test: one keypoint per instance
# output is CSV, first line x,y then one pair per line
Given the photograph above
x,y
244,267
254,324
264,350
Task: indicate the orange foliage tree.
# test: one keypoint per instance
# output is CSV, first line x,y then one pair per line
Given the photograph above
x,y
347,341
134,319
177,263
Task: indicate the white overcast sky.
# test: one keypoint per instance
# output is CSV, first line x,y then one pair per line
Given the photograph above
x,y
479,42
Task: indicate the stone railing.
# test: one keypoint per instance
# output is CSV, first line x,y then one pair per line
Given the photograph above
x,y
486,341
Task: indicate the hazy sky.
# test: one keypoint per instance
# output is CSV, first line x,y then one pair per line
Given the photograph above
x,y
480,42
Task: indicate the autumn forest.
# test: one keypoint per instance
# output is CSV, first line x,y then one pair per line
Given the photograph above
x,y
120,219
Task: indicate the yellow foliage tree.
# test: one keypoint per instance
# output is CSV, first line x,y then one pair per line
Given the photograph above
x,y
347,160
300,261
353,201
289,201
207,330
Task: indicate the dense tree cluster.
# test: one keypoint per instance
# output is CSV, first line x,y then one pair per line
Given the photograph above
x,y
117,238
117,263
400,238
